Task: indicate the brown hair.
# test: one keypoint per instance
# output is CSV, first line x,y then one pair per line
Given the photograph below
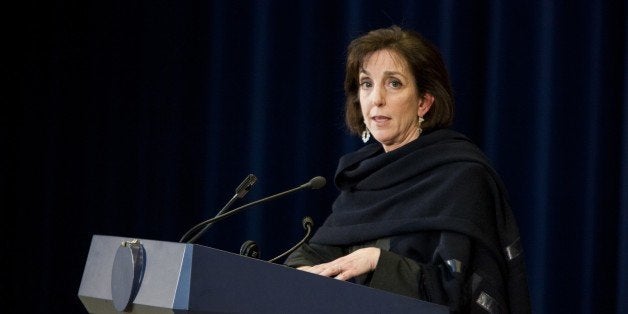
x,y
425,62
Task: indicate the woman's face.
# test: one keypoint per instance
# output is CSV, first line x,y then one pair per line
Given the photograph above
x,y
389,99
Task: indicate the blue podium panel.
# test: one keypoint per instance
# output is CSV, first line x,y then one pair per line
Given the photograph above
x,y
190,278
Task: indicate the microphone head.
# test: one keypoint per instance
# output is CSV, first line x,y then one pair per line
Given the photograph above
x,y
307,222
250,249
317,183
246,185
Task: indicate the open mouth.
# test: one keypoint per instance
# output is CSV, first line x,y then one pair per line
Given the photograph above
x,y
380,119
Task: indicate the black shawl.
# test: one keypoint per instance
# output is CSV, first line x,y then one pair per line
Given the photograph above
x,y
439,182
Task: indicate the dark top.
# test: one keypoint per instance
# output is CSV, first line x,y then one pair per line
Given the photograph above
x,y
440,214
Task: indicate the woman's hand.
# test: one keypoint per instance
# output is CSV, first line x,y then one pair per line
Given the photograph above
x,y
357,263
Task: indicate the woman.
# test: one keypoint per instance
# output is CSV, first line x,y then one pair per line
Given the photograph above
x,y
420,213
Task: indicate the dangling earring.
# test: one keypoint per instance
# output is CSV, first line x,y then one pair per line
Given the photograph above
x,y
366,135
419,126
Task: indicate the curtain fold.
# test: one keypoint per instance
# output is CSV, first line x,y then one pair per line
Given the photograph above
x,y
622,221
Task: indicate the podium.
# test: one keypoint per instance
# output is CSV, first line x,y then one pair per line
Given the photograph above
x,y
170,277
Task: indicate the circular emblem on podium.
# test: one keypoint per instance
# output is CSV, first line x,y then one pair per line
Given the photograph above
x,y
127,273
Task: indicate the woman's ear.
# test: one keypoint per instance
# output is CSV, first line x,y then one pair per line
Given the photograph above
x,y
425,103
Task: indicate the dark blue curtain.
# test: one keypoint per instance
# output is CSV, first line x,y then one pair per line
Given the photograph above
x,y
139,119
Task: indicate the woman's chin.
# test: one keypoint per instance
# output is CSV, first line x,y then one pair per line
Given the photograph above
x,y
386,141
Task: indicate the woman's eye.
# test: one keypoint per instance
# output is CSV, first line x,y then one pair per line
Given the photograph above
x,y
395,84
366,84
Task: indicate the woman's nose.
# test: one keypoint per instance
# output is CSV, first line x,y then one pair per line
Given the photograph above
x,y
378,97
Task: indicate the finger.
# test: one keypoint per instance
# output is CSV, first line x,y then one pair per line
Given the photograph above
x,y
310,269
346,274
318,269
331,270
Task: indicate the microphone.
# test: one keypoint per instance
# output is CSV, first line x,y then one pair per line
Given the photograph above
x,y
240,191
314,183
244,187
250,249
308,223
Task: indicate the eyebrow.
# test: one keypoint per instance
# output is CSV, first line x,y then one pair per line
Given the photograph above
x,y
386,73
